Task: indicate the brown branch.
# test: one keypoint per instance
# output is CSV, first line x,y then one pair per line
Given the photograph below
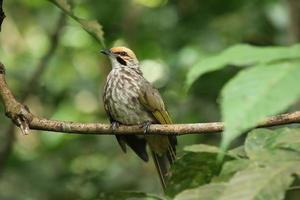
x,y
23,118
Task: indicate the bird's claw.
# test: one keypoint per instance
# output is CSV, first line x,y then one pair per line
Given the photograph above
x,y
146,126
114,126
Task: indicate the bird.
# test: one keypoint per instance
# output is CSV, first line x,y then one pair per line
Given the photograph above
x,y
129,99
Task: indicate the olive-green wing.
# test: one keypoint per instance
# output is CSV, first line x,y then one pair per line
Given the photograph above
x,y
150,98
162,147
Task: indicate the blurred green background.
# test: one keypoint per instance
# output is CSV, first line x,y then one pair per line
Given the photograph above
x,y
168,37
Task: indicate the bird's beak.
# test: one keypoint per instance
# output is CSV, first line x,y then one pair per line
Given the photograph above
x,y
106,52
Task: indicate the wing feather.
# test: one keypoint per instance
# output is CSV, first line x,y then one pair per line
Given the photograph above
x,y
152,101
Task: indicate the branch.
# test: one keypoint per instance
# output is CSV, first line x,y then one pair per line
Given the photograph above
x,y
23,118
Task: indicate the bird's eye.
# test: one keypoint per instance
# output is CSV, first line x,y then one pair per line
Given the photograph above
x,y
122,53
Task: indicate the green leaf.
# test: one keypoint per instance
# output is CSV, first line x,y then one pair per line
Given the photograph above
x,y
204,148
241,55
201,148
230,168
90,26
268,183
238,152
273,145
205,192
288,139
128,196
256,93
192,170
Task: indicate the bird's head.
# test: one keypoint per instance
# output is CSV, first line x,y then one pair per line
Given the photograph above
x,y
121,57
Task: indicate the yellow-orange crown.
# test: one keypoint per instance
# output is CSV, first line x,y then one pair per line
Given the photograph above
x,y
123,52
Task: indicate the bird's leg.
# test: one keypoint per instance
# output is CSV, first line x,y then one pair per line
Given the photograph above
x,y
114,125
146,126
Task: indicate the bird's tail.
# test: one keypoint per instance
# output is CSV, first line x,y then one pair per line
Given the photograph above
x,y
163,163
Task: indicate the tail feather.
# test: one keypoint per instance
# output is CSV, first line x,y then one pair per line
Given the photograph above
x,y
138,145
163,163
162,166
171,155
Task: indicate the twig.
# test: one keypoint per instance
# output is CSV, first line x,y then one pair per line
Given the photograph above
x,y
19,113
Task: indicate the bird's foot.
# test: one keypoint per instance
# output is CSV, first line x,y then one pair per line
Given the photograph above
x,y
146,126
114,125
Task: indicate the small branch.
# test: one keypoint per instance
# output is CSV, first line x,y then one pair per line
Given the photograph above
x,y
170,129
14,109
23,118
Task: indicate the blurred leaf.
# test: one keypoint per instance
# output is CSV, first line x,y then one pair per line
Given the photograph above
x,y
241,55
256,93
205,192
269,183
230,168
204,148
289,139
128,196
238,152
191,170
90,26
273,145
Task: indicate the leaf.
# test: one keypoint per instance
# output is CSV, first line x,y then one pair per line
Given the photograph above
x,y
230,168
241,55
128,196
268,183
256,93
273,145
94,28
238,152
206,192
90,26
288,139
204,148
192,170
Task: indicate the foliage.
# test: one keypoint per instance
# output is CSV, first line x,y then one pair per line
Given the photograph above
x,y
127,196
263,90
242,55
266,172
91,26
256,93
177,42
